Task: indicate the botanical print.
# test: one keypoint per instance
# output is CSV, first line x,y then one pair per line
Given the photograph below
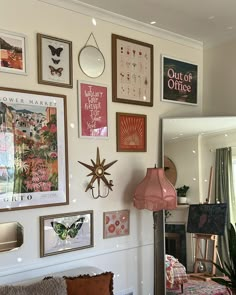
x,y
179,81
133,71
29,150
93,110
12,53
116,223
66,232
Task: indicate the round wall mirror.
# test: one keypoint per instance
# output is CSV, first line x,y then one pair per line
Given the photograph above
x,y
91,61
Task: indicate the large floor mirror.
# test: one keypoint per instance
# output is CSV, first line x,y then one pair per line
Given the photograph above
x,y
189,150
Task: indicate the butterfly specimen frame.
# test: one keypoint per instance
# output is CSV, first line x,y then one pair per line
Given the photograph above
x,y
13,53
33,145
66,232
54,61
132,71
131,132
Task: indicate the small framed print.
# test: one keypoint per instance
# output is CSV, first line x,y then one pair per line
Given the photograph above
x,y
179,81
13,53
92,104
131,132
132,71
54,61
33,150
115,223
62,233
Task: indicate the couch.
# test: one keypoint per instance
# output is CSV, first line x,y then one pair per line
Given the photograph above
x,y
84,280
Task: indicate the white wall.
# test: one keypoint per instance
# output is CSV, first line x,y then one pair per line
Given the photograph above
x,y
135,251
219,79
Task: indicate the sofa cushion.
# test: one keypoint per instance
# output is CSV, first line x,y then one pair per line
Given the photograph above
x,y
52,286
101,284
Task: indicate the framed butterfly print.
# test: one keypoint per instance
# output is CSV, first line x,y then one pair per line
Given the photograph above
x,y
65,232
54,61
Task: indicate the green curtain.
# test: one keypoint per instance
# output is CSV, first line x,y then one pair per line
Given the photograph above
x,y
224,193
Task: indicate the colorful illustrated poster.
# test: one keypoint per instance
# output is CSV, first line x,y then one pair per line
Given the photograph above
x,y
179,81
116,223
32,150
93,110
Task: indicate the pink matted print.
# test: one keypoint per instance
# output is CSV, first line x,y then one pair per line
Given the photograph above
x,y
116,223
93,110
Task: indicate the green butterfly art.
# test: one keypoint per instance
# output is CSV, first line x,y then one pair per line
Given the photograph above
x,y
64,231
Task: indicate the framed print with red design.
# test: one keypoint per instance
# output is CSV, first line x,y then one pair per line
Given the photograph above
x,y
33,149
92,110
131,132
116,224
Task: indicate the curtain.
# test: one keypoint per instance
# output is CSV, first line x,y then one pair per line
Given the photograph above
x,y
224,193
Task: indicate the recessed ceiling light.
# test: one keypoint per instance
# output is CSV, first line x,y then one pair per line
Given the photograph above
x,y
153,22
211,17
94,21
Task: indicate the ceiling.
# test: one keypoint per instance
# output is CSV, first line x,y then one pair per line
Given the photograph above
x,y
209,21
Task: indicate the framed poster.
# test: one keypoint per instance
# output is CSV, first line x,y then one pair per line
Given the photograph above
x,y
54,61
13,53
92,110
33,149
179,81
131,132
66,232
132,71
115,224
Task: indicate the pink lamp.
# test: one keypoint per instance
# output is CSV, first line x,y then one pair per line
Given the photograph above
x,y
156,193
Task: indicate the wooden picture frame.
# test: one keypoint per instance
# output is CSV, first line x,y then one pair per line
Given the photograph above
x,y
179,81
33,144
131,132
66,232
116,223
92,104
13,53
54,61
132,71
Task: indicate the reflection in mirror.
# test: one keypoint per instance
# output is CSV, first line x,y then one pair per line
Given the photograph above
x,y
91,61
11,236
191,144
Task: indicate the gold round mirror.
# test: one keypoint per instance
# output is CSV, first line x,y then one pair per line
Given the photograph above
x,y
91,61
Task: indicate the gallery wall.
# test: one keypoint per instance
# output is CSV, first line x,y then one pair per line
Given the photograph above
x,y
130,257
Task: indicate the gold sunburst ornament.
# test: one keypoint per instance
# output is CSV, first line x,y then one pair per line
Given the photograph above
x,y
98,173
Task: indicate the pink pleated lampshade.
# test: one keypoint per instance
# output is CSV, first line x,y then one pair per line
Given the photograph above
x,y
155,192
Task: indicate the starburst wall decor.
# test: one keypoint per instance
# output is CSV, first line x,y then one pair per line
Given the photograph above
x,y
98,173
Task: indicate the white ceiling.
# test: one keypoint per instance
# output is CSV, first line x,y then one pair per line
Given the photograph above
x,y
209,21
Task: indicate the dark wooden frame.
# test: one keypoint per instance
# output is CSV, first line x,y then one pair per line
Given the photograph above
x,y
124,99
41,79
131,148
16,94
44,219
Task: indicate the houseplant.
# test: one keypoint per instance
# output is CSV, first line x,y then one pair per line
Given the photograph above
x,y
181,194
229,269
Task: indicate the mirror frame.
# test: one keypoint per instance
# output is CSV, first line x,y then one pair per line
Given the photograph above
x,y
82,67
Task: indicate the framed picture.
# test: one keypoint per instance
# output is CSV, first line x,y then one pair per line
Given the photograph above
x,y
61,233
115,224
54,61
132,71
179,81
92,100
131,132
13,53
33,150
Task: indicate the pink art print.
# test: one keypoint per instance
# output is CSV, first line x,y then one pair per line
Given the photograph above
x,y
116,223
93,110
